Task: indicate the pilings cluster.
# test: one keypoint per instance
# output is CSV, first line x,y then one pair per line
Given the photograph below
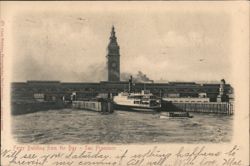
x,y
209,107
99,106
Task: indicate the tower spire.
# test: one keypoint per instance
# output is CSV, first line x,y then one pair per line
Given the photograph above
x,y
112,36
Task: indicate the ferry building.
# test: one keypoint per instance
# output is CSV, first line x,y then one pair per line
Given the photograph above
x,y
55,90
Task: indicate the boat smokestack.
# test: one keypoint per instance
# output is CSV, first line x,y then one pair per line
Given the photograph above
x,y
130,84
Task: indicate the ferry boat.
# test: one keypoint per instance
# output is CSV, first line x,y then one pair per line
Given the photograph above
x,y
137,101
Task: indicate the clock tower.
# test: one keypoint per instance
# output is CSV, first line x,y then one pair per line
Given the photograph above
x,y
113,58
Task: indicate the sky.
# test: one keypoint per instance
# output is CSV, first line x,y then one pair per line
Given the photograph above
x,y
164,45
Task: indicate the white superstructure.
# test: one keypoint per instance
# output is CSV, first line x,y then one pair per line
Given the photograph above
x,y
144,99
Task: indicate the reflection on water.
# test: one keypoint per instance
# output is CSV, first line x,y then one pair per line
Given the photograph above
x,y
78,126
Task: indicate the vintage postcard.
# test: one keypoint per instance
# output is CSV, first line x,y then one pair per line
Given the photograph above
x,y
125,83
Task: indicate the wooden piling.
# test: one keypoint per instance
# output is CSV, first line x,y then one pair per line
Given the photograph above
x,y
99,106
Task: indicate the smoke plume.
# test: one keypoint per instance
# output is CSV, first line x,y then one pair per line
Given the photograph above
x,y
140,77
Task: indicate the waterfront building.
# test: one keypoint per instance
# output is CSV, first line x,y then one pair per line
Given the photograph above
x,y
26,90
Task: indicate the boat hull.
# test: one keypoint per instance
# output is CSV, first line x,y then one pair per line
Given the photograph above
x,y
135,108
166,115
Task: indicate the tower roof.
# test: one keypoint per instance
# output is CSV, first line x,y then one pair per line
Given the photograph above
x,y
113,41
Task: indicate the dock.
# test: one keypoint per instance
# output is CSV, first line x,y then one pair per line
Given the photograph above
x,y
225,108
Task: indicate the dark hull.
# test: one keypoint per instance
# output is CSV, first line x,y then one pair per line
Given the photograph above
x,y
135,108
176,115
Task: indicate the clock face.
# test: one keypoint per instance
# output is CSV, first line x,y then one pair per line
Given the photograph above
x,y
113,64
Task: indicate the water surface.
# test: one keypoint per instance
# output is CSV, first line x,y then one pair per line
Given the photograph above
x,y
79,126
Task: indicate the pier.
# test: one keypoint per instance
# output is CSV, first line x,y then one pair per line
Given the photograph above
x,y
25,107
225,108
99,106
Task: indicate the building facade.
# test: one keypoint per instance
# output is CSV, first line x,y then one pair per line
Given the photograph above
x,y
26,91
